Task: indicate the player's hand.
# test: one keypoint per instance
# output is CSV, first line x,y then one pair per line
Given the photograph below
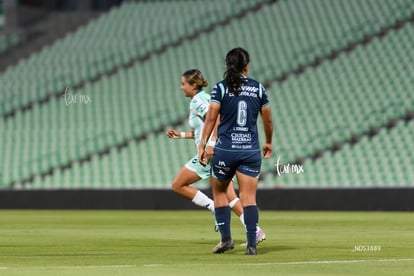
x,y
202,156
267,150
209,151
172,133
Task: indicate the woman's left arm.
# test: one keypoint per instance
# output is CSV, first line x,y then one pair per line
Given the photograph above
x,y
268,129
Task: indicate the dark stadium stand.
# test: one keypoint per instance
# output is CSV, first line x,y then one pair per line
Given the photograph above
x,y
91,110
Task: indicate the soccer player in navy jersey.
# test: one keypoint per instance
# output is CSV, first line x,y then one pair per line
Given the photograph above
x,y
238,100
192,83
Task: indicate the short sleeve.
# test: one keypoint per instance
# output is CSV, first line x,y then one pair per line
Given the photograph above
x,y
216,94
199,107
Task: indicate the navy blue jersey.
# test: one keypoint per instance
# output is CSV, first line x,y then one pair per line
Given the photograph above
x,y
238,115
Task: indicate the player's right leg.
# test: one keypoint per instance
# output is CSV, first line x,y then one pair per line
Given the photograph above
x,y
248,188
248,178
236,206
181,186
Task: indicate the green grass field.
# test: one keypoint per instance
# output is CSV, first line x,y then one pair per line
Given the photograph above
x,y
180,243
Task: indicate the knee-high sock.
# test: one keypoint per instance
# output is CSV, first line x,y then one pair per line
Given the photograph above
x,y
223,221
251,218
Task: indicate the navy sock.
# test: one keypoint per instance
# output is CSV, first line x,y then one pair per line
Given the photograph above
x,y
223,220
251,218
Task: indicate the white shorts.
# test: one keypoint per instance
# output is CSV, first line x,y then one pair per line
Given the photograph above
x,y
195,166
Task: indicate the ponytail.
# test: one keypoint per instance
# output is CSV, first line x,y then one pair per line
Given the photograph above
x,y
236,61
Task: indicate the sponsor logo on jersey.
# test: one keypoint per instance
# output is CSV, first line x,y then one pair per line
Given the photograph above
x,y
221,172
239,138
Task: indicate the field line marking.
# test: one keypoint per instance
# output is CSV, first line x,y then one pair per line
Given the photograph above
x,y
3,267
333,262
77,267
297,262
100,266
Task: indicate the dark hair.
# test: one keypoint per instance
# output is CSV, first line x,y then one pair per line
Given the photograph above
x,y
236,61
194,76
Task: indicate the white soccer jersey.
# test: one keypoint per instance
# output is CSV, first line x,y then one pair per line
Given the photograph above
x,y
198,109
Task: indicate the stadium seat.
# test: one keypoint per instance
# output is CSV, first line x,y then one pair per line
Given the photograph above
x,y
311,111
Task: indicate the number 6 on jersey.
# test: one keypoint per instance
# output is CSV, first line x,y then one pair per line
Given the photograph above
x,y
242,113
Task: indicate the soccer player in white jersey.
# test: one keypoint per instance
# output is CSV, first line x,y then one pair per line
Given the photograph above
x,y
192,83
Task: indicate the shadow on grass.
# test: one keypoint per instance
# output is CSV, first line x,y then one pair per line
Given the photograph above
x,y
262,248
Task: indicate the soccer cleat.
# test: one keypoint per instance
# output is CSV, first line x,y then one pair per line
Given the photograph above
x,y
223,247
250,250
260,236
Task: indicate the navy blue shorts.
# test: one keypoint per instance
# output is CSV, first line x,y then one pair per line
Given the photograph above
x,y
224,164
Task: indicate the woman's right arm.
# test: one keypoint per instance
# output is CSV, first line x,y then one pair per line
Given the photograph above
x,y
211,119
174,134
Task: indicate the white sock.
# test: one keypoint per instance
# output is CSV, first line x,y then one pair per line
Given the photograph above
x,y
242,221
204,201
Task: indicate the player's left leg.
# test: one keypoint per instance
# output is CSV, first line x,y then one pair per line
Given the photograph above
x,y
222,213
